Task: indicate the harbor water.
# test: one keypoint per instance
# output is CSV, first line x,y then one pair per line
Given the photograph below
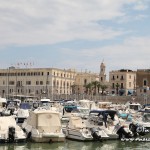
x,y
75,145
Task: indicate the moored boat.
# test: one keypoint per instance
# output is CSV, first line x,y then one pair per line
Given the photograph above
x,y
44,126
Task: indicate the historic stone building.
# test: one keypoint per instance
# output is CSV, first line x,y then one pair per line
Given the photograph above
x,y
143,82
123,82
50,82
82,79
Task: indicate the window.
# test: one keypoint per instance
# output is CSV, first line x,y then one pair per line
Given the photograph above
x,y
47,82
122,77
28,82
41,82
121,85
101,78
144,90
129,84
113,85
11,82
54,82
145,82
85,81
113,77
37,82
57,83
19,83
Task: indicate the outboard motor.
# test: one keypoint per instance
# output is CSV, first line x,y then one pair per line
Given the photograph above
x,y
122,132
11,134
138,129
95,135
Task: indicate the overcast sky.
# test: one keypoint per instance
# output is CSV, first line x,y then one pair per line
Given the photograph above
x,y
77,34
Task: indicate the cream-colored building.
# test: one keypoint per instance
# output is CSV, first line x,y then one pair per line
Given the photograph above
x,y
123,82
82,79
50,82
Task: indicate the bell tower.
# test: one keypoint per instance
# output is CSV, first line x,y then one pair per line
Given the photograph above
x,y
102,75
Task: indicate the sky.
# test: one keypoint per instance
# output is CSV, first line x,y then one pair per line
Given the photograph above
x,y
77,34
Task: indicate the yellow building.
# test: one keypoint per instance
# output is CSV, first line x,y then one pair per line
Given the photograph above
x,y
82,79
51,82
123,82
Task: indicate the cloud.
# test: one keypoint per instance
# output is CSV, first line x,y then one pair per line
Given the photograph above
x,y
140,5
133,53
32,22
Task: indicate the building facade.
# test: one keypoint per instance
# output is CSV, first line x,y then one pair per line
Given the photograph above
x,y
122,82
51,82
82,79
143,81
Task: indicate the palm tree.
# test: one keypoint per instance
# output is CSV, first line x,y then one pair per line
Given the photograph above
x,y
117,88
103,88
95,86
99,86
88,88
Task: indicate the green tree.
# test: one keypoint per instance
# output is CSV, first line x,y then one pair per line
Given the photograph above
x,y
117,88
88,88
103,88
95,86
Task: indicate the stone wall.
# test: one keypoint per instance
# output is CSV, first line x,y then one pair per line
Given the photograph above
x,y
115,99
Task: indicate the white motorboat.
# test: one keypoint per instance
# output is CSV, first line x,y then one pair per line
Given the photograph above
x,y
77,130
22,113
133,107
143,120
97,118
44,126
85,103
10,131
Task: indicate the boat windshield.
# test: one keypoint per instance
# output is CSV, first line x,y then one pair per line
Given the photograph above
x,y
84,111
134,107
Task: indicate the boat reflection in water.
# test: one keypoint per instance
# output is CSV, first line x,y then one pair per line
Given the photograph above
x,y
75,145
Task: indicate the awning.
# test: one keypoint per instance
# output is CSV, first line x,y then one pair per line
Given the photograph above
x,y
130,92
